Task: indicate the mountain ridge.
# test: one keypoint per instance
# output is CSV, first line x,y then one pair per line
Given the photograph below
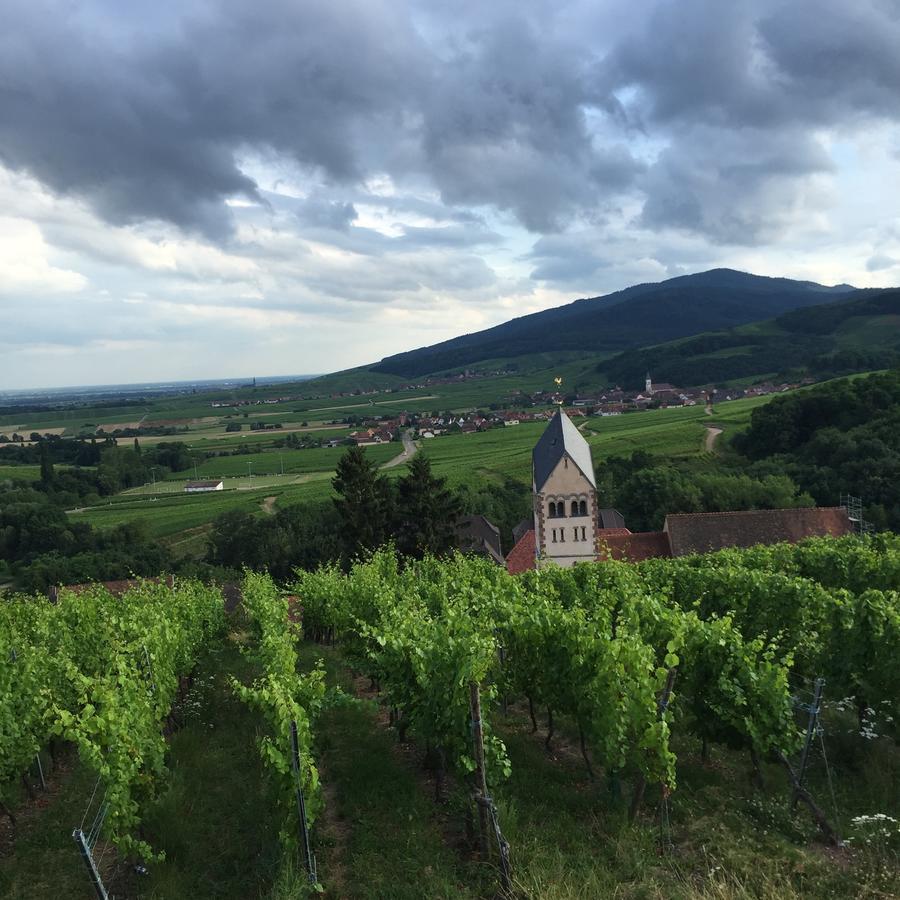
x,y
637,316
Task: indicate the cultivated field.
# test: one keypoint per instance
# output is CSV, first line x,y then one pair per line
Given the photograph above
x,y
462,458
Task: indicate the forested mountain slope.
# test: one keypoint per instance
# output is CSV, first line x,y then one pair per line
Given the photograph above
x,y
861,333
635,317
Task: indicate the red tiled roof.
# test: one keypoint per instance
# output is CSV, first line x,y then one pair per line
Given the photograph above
x,y
633,547
116,588
522,557
707,532
612,532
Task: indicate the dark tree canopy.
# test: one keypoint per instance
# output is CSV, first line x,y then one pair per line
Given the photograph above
x,y
842,437
427,511
364,503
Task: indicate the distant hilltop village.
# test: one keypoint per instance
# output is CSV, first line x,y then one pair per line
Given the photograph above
x,y
569,525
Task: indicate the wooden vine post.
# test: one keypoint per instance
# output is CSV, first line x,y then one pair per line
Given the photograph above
x,y
487,812
481,791
662,705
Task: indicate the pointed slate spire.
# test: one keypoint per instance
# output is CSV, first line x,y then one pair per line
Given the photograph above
x,y
560,437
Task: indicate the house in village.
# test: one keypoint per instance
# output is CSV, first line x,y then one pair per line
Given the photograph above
x,y
370,436
478,535
569,527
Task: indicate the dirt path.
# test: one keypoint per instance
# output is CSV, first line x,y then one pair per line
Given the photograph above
x,y
374,403
712,432
267,505
409,451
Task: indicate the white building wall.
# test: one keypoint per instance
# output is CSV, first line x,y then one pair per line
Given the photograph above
x,y
565,484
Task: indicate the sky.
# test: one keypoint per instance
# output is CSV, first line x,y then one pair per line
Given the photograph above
x,y
212,188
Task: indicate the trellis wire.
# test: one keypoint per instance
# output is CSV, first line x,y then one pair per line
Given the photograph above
x,y
837,816
502,843
666,844
87,842
813,709
483,799
309,858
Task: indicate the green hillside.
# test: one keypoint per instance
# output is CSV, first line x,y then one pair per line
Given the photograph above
x,y
858,334
637,316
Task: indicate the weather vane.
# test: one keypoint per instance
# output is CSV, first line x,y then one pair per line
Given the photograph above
x,y
558,381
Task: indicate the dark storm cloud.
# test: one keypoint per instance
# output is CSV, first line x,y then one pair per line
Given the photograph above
x,y
740,187
763,64
738,93
506,126
147,125
707,112
320,212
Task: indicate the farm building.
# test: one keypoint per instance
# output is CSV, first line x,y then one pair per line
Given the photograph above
x,y
202,487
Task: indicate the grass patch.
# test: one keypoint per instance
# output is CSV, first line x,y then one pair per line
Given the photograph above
x,y
381,836
216,819
43,860
570,836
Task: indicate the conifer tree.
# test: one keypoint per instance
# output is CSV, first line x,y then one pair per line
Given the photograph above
x,y
364,503
427,511
47,474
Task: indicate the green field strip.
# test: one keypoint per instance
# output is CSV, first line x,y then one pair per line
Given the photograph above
x,y
20,473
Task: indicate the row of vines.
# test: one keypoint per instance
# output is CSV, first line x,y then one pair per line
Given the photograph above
x,y
709,645
102,672
286,700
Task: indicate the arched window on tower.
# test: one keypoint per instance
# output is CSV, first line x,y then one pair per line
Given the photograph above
x,y
582,508
574,507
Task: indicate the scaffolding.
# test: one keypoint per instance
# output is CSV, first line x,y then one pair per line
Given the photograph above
x,y
854,507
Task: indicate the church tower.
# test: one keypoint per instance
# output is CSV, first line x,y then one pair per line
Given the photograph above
x,y
564,495
648,385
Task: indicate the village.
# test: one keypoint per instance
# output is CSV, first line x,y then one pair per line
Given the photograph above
x,y
540,406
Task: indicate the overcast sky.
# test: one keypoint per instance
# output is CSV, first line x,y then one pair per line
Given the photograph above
x,y
207,189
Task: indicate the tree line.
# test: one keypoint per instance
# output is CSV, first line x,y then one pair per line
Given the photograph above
x,y
839,437
418,513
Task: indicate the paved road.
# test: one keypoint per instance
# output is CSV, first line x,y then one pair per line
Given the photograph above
x,y
409,451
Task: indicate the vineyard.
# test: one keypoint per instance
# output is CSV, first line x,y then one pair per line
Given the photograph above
x,y
102,674
616,684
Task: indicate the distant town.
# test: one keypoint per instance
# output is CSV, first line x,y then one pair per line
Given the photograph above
x,y
519,407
